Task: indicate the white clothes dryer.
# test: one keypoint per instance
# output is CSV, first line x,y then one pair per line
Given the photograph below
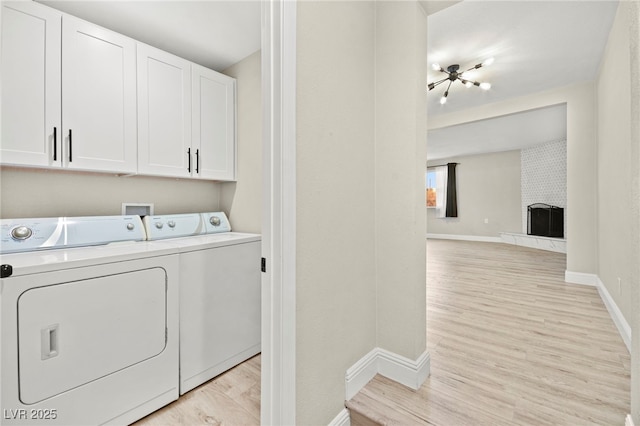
x,y
89,330
220,293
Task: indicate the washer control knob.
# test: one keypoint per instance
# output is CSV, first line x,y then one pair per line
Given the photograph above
x,y
159,225
171,224
130,226
215,220
21,233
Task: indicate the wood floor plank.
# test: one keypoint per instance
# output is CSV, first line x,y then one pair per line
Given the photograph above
x,y
511,343
232,398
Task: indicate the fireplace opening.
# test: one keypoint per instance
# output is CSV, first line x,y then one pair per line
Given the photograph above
x,y
545,220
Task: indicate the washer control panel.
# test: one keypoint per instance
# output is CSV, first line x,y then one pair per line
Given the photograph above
x,y
21,232
216,222
185,225
172,226
19,235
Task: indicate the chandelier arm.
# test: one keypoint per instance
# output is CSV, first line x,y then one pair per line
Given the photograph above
x,y
440,81
448,87
475,67
475,83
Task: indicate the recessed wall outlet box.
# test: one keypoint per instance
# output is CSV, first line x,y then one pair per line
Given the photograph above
x,y
140,209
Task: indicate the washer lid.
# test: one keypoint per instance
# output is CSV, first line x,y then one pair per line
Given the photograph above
x,y
20,235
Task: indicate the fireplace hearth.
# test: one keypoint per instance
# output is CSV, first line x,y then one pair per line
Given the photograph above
x,y
545,220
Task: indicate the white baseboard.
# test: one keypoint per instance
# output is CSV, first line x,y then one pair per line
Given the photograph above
x,y
393,366
581,278
403,370
616,315
342,419
465,238
628,421
360,373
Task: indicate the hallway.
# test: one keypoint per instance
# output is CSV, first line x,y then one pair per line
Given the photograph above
x,y
510,343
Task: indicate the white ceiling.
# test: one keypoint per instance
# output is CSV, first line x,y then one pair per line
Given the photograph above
x,y
506,133
537,45
215,34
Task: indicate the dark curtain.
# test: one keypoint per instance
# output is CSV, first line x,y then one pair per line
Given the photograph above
x,y
452,197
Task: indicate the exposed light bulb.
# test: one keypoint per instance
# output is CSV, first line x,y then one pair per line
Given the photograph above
x,y
488,62
485,86
468,83
436,67
443,100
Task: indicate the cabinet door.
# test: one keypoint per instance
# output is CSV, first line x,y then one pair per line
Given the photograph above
x,y
164,114
30,85
214,130
98,98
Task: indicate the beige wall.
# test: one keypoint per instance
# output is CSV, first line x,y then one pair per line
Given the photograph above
x,y
242,200
619,176
488,188
335,258
400,211
360,241
634,228
47,193
581,160
615,259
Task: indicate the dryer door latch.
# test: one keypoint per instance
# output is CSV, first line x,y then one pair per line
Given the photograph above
x,y
6,271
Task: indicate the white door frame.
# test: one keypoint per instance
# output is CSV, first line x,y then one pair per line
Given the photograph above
x,y
278,399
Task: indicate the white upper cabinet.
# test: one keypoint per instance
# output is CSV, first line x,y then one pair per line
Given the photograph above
x,y
98,98
31,118
69,97
80,97
213,122
164,114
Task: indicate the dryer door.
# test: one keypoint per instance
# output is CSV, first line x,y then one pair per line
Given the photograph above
x,y
76,332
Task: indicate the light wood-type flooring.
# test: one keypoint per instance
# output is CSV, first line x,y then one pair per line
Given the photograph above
x,y
232,398
510,343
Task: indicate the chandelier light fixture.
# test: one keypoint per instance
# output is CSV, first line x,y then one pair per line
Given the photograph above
x,y
453,75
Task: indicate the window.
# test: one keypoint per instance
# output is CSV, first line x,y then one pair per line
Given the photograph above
x,y
431,188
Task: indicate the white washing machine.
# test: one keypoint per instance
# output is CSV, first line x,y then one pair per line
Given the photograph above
x,y
89,333
219,292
